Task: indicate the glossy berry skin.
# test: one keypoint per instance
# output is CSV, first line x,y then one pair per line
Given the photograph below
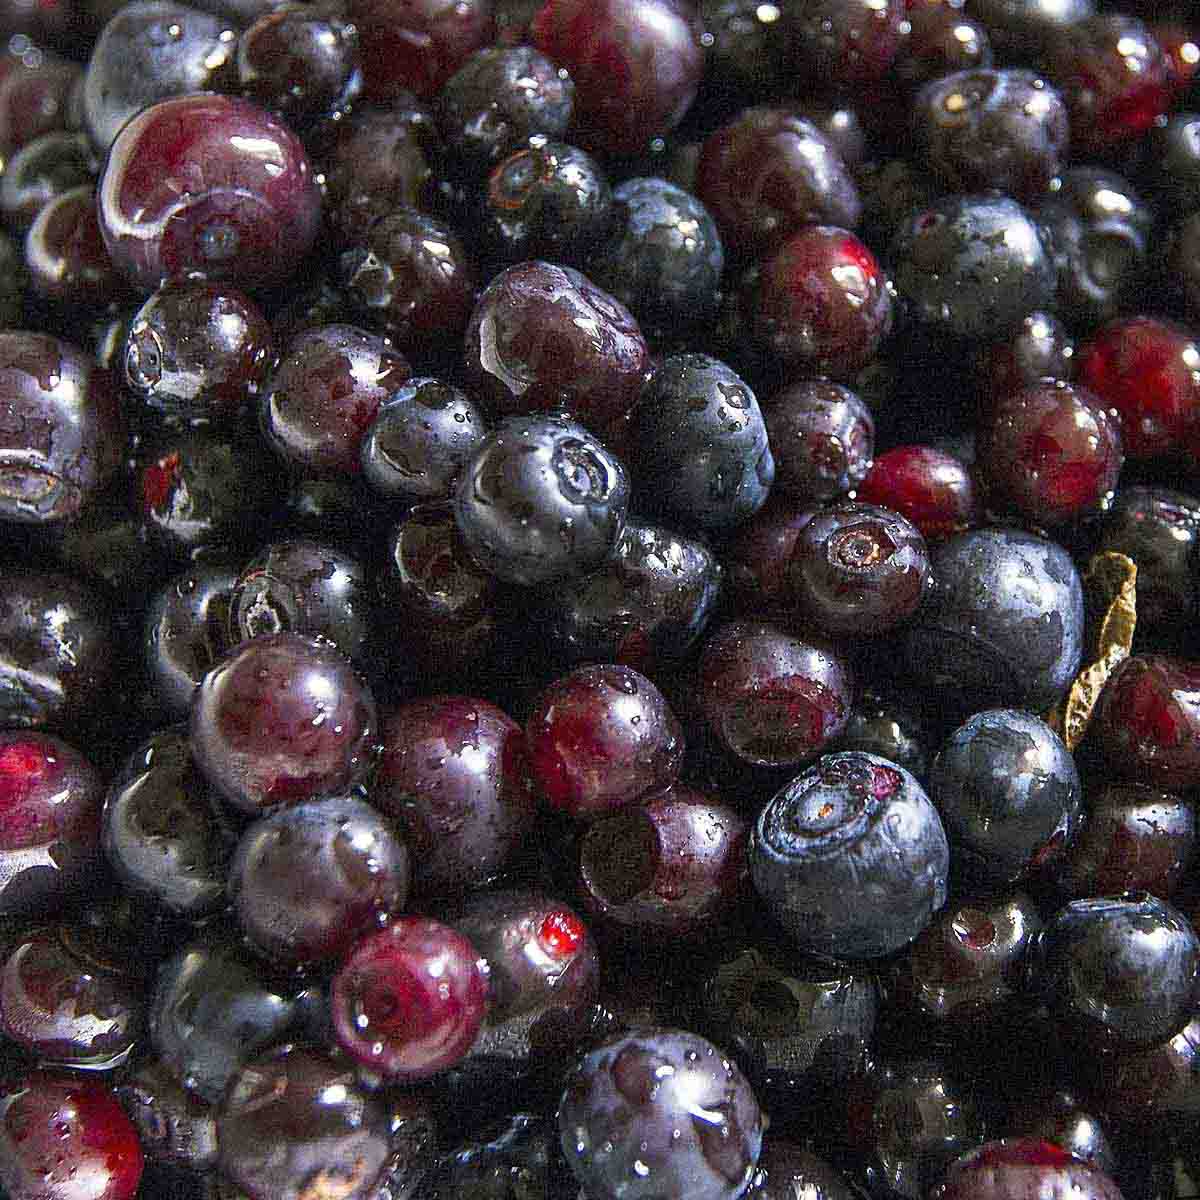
x,y
638,1094
299,64
898,1156
664,257
822,438
1098,230
636,66
497,100
442,604
410,277
770,171
65,255
971,267
546,200
1136,839
41,171
857,570
698,445
50,798
793,1022
1159,528
200,489
373,161
942,40
889,728
1117,971
1113,76
422,436
454,773
965,972
409,999
65,1138
186,631
323,394
1009,795
928,487
758,555
212,1010
1040,348
772,698
174,1127
67,1003
64,436
35,96
822,304
57,650
543,974
197,351
308,882
1014,1167
1003,625
601,738
181,192
666,868
150,50
850,820
544,336
540,500
282,719
1147,1087
296,1120
982,129
1052,451
1146,720
302,586
163,834
414,46
648,604
852,43
1143,367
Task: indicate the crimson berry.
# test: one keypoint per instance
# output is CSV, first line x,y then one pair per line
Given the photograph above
x,y
50,798
1148,370
414,46
454,771
636,65
1148,720
600,738
772,698
933,489
770,171
1023,1167
822,303
283,718
1114,78
207,183
1052,451
65,1138
409,1000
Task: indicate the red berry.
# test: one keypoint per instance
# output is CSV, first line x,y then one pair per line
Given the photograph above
x,y
1149,372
